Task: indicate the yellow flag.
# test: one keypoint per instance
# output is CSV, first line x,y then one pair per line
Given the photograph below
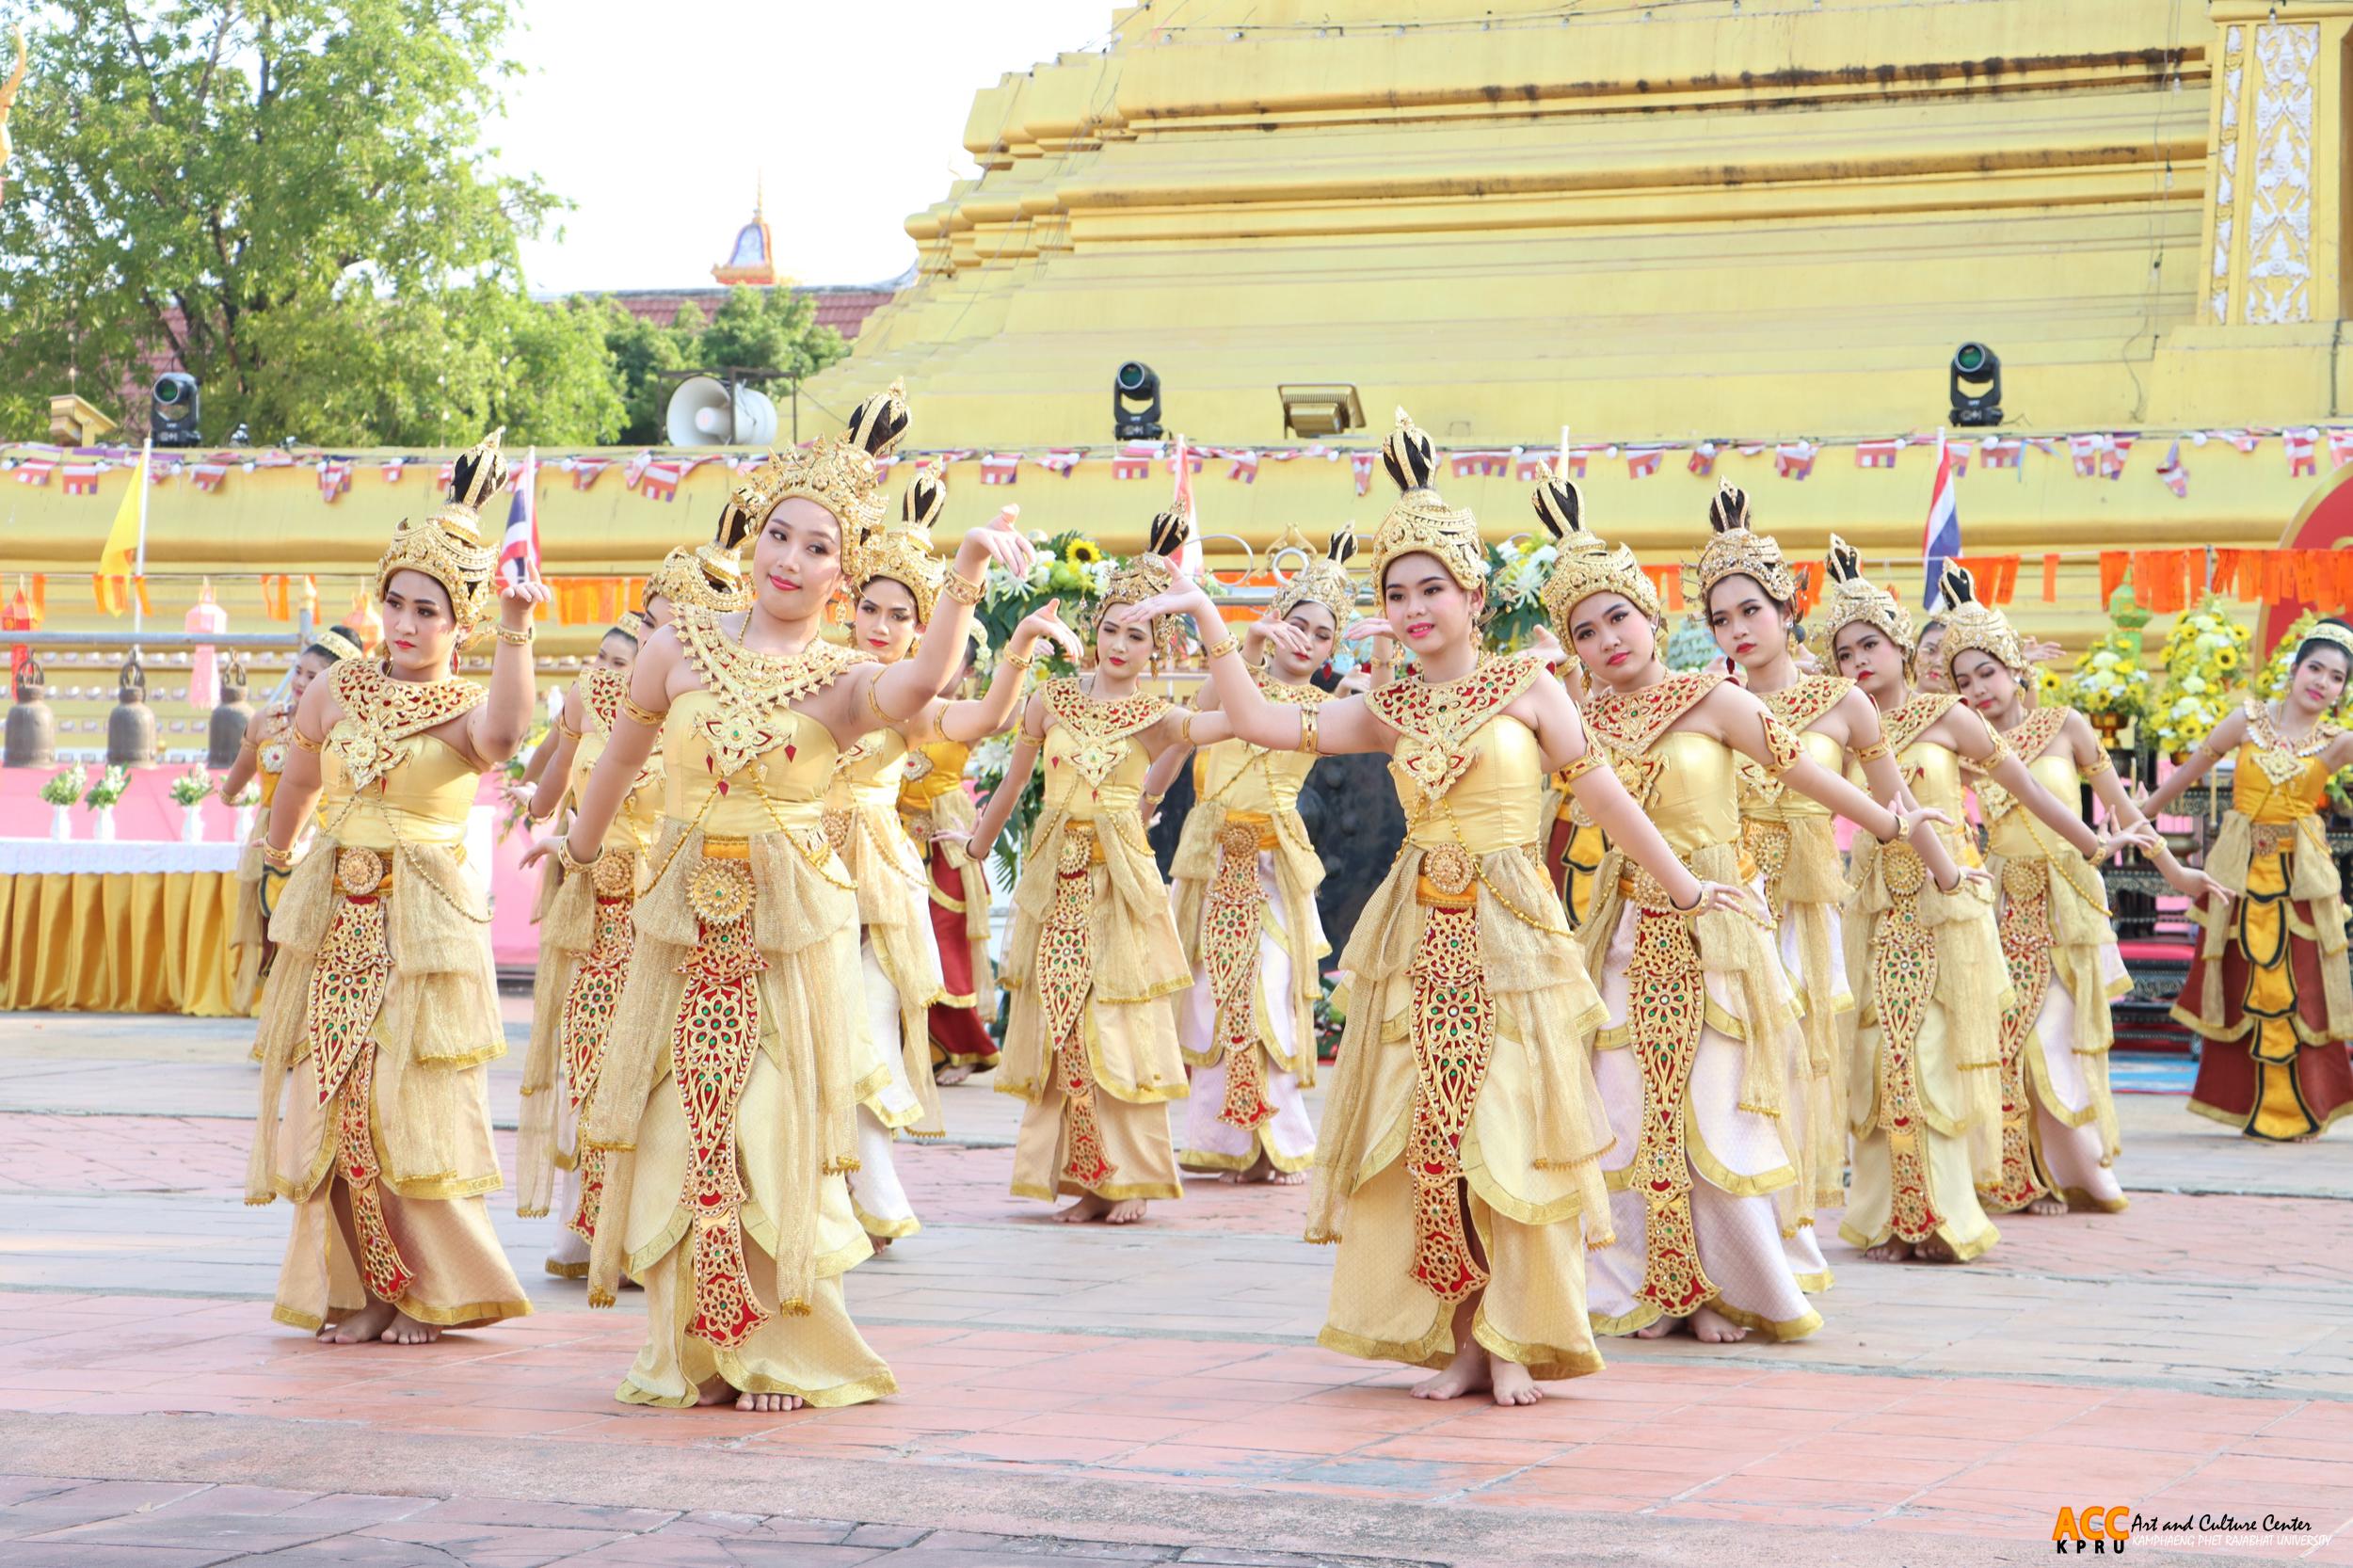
x,y
120,554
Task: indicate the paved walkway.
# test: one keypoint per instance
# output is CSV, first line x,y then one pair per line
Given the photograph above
x,y
1139,1395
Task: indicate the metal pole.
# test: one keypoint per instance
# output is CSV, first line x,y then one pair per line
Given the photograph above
x,y
138,571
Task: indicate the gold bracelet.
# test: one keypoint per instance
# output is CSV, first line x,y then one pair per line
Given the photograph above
x,y
1184,725
520,639
1150,801
873,702
962,589
1875,751
1570,773
632,709
303,740
276,859
1307,733
1019,660
566,730
1219,649
573,867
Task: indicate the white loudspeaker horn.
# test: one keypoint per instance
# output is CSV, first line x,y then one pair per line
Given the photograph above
x,y
697,415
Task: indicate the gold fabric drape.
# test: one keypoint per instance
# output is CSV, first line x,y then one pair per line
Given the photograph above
x,y
134,943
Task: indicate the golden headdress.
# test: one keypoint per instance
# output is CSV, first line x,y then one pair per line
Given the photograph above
x,y
447,546
1583,562
904,553
1421,523
630,624
1324,580
1855,598
839,474
1141,576
336,645
1969,624
2327,632
1734,550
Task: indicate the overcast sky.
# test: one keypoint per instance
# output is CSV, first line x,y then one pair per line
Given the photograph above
x,y
657,123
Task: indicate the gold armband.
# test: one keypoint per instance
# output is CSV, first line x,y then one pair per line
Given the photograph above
x,y
303,740
2105,763
1876,751
1307,733
1570,773
565,730
962,589
634,710
874,702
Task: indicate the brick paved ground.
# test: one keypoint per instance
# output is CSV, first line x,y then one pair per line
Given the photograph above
x,y
1145,1396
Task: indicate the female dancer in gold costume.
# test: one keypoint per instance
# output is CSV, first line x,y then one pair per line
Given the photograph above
x,y
1750,596
263,755
1695,1064
938,813
896,586
740,1051
1924,957
382,1010
2270,992
1245,879
586,933
1459,1167
2059,1137
1094,958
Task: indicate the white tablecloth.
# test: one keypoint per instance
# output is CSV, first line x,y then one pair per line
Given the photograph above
x,y
49,857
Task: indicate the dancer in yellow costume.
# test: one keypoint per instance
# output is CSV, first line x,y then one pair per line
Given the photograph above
x,y
1695,1064
1459,1165
262,756
586,933
937,811
740,1050
896,588
1245,879
1094,961
1925,960
2270,992
2059,1138
1750,596
381,1011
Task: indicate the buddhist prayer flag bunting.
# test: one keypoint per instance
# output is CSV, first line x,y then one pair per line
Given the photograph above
x,y
1001,467
1876,453
2299,445
2174,475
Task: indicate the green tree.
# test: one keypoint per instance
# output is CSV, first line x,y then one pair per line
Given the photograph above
x,y
293,200
770,329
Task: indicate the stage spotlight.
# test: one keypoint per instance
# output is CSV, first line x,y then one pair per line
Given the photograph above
x,y
1976,385
1136,403
175,408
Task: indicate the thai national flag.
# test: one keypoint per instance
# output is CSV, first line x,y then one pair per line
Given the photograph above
x,y
519,552
1940,540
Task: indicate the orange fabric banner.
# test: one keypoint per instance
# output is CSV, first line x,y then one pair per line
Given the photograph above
x,y
1996,576
138,587
274,599
2115,565
2050,579
1668,581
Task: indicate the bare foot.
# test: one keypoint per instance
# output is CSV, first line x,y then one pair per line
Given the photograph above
x,y
717,1391
1711,1327
767,1404
1127,1211
1286,1178
1467,1373
363,1326
1511,1383
948,1077
406,1330
1935,1250
2052,1203
1890,1251
880,1243
1657,1328
1263,1170
1089,1207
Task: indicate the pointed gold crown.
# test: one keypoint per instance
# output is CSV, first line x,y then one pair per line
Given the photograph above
x,y
1421,523
447,546
841,475
1583,562
1141,576
903,552
1735,550
1855,598
1970,624
1325,580
710,576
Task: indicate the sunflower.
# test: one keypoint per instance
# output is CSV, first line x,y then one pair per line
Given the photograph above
x,y
2226,658
1082,552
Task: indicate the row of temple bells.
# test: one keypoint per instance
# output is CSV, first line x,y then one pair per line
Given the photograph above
x,y
31,739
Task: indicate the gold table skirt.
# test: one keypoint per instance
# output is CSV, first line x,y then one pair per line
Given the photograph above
x,y
132,942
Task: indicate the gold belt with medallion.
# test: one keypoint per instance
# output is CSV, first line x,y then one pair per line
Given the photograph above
x,y
1246,832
